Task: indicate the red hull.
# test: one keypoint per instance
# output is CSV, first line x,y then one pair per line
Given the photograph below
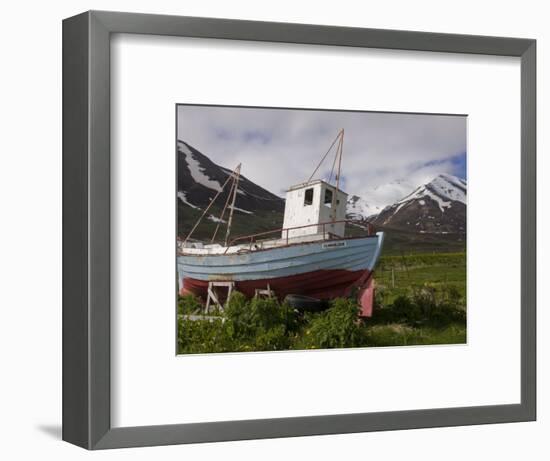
x,y
322,284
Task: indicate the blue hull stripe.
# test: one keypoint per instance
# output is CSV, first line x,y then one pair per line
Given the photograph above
x,y
316,258
358,254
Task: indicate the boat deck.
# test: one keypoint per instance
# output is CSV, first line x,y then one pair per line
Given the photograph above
x,y
260,241
198,248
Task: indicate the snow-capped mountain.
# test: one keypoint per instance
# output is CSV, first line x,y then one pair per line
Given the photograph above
x,y
444,189
200,179
438,207
378,197
435,208
358,208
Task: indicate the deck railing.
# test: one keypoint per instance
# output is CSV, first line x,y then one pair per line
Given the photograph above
x,y
252,238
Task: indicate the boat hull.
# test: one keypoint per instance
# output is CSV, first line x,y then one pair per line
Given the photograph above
x,y
323,270
322,284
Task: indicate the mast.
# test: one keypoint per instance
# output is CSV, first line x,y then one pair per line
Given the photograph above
x,y
220,219
235,187
324,157
231,176
339,141
341,145
339,151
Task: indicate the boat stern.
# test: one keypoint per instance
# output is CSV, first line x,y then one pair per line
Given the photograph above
x,y
378,251
365,297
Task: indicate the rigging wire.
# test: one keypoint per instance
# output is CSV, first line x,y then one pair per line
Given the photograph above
x,y
324,157
333,165
220,219
230,220
210,205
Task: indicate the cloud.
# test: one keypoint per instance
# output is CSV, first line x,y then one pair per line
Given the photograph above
x,y
384,153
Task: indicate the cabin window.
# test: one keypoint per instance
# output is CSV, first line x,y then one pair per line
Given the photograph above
x,y
308,197
328,197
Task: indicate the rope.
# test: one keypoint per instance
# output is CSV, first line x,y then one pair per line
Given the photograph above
x,y
223,212
262,198
324,157
207,208
230,220
333,166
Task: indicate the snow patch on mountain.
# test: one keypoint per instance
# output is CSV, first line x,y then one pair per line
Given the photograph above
x,y
196,171
450,186
358,208
242,211
183,197
423,191
228,172
444,189
436,207
215,219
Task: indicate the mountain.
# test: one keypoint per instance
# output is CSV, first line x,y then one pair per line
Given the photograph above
x,y
200,179
379,197
438,207
430,218
358,208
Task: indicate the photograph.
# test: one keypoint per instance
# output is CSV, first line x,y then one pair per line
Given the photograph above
x,y
304,229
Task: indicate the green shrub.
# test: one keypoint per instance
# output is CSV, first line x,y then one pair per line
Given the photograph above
x,y
337,327
202,336
260,322
403,335
188,304
424,305
438,307
273,339
393,334
425,314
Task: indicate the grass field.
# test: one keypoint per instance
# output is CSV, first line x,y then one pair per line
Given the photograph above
x,y
441,277
396,274
420,300
398,242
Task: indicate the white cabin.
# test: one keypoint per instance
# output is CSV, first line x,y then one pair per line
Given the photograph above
x,y
311,203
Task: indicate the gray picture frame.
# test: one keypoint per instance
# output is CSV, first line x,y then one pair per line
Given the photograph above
x,y
86,229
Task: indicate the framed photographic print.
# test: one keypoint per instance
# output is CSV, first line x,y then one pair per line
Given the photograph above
x,y
269,229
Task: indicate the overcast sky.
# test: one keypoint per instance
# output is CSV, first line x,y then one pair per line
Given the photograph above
x,y
384,154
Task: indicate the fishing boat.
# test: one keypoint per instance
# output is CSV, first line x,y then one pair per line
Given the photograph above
x,y
309,256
